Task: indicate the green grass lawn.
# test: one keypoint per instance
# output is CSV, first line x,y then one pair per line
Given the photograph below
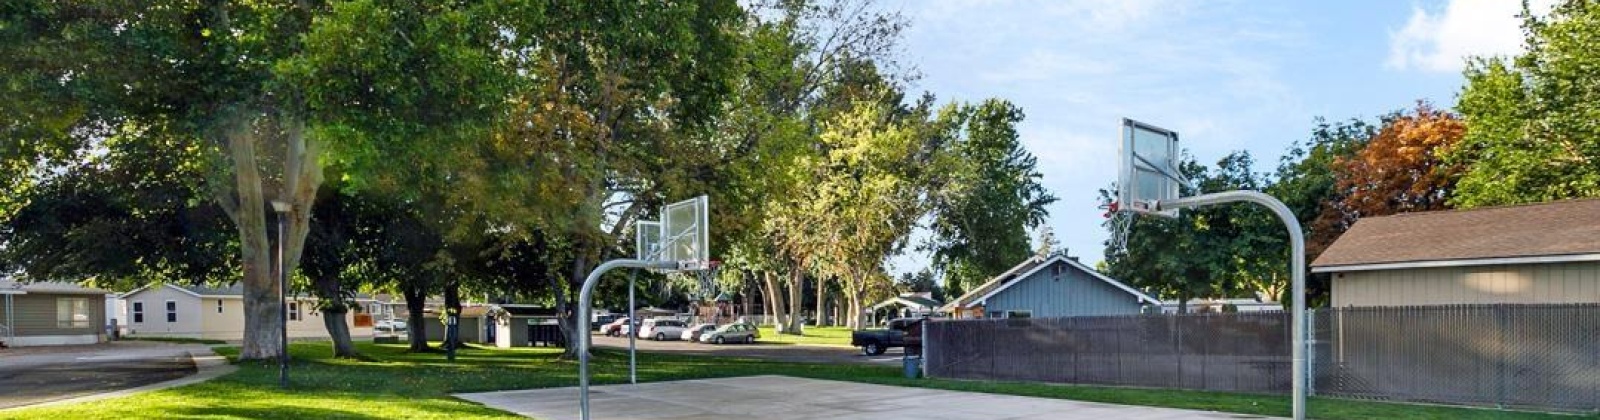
x,y
396,384
814,336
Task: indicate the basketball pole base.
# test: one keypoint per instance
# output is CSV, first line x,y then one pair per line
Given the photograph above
x,y
1297,242
585,300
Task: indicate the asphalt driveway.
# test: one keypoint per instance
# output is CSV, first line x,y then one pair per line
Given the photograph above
x,y
31,375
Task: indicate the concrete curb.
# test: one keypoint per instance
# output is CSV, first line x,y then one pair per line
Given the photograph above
x,y
208,365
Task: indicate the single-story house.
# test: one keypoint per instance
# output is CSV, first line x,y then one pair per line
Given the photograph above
x,y
1525,254
51,314
171,310
475,325
1048,287
523,325
906,305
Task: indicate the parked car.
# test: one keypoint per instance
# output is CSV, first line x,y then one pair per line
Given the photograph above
x,y
904,332
693,333
390,325
614,328
737,332
662,329
600,321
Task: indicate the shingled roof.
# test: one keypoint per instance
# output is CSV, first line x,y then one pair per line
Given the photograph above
x,y
1546,232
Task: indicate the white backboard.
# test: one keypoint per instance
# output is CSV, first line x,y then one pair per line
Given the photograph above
x,y
1148,167
686,233
647,240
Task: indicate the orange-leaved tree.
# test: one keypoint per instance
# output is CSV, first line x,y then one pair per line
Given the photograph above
x,y
1401,170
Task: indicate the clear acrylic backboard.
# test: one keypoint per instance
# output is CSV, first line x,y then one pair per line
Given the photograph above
x,y
685,233
1148,168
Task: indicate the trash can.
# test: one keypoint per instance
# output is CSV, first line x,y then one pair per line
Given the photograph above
x,y
912,366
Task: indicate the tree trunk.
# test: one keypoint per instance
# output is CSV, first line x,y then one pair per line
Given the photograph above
x,y
837,308
334,309
246,204
822,302
567,305
262,301
452,305
797,282
333,319
744,295
775,305
416,302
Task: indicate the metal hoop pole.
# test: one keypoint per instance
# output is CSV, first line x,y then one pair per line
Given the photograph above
x,y
585,298
633,350
1297,245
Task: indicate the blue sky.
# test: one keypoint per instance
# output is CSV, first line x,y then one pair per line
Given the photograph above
x,y
1227,75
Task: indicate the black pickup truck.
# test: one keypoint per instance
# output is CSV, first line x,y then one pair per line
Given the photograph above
x,y
904,332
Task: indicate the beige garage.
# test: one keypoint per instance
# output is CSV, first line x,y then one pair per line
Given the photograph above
x,y
1538,253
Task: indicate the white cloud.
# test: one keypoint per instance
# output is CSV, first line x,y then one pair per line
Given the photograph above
x,y
1441,41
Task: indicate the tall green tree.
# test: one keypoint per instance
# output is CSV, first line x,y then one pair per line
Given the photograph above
x,y
249,80
1531,133
1213,251
989,197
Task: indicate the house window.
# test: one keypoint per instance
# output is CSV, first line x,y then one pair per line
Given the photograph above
x,y
1019,314
72,313
172,311
138,312
219,306
294,311
997,314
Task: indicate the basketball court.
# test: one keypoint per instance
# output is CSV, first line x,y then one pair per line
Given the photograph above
x,y
790,398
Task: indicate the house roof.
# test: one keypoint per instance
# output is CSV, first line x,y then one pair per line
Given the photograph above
x,y
915,300
1028,268
995,282
12,287
1546,232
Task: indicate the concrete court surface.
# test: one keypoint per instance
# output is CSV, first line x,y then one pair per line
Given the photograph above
x,y
789,398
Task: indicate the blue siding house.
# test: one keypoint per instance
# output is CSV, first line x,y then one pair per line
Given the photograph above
x,y
1048,287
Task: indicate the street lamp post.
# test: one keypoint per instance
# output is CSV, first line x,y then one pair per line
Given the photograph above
x,y
283,209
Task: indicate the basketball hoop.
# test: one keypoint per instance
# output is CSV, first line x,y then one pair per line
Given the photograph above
x,y
707,279
1120,222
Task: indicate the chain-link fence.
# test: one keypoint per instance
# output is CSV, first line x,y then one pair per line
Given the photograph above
x,y
1536,356
1539,356
1232,352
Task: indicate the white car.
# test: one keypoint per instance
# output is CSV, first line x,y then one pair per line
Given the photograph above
x,y
662,329
390,325
693,333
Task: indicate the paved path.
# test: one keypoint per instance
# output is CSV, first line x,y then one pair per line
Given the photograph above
x,y
788,398
31,375
772,351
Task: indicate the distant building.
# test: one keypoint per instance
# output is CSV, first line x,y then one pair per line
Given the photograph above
x,y
51,314
1537,253
217,313
1219,305
906,305
1047,287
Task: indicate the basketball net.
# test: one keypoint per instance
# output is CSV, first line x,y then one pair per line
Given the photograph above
x,y
1120,222
707,279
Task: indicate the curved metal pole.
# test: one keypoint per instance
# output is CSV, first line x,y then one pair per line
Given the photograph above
x,y
1297,245
585,298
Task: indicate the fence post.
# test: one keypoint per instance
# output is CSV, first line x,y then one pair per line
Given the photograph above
x,y
1311,351
1502,315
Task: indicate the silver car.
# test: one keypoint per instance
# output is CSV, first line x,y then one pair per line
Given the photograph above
x,y
732,333
693,333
